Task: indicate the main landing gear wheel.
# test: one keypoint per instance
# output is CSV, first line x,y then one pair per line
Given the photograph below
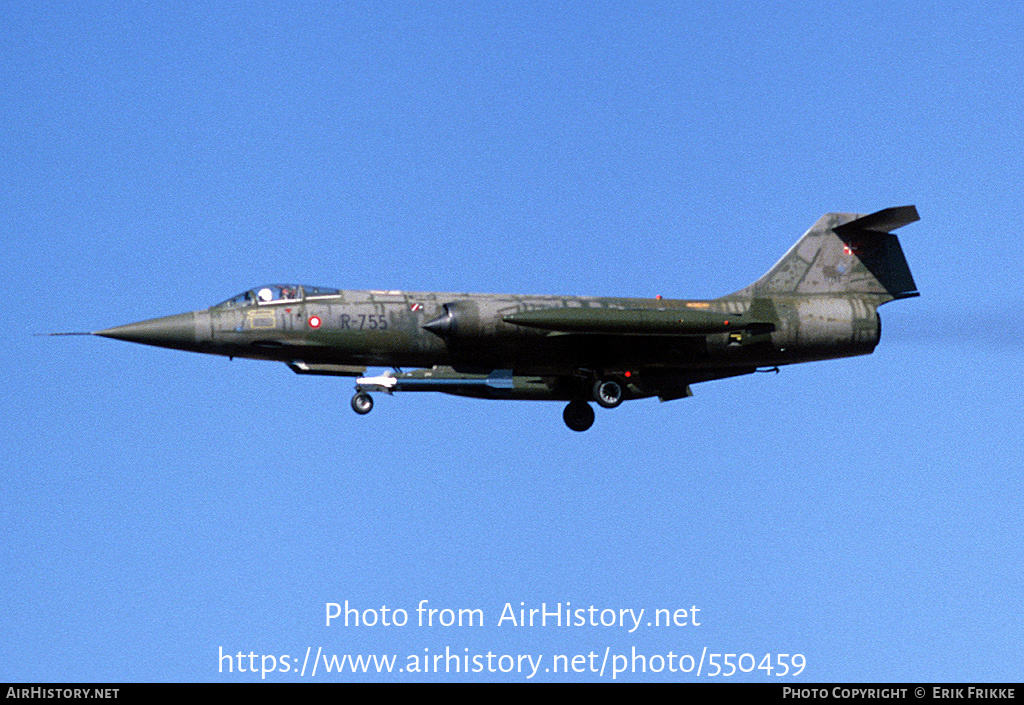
x,y
362,403
608,392
578,416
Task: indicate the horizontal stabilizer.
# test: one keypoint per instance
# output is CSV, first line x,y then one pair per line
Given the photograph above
x,y
882,221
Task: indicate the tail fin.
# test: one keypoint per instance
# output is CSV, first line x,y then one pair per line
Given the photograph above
x,y
844,253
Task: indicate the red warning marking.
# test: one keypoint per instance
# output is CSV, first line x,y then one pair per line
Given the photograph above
x,y
314,321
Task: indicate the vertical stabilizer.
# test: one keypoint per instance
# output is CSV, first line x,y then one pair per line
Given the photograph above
x,y
844,253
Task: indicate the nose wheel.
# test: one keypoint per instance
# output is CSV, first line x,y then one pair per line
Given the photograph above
x,y
578,416
362,403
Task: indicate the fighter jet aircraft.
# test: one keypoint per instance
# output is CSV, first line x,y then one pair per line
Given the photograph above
x,y
818,302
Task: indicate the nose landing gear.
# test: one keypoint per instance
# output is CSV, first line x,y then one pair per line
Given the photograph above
x,y
362,403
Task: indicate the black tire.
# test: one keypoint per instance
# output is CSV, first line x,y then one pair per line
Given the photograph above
x,y
608,392
578,416
362,403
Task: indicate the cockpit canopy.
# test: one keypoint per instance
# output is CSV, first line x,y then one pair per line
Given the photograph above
x,y
276,292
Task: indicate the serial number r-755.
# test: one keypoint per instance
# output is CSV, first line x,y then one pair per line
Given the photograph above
x,y
363,321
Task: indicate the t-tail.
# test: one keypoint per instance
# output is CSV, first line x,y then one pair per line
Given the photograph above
x,y
843,254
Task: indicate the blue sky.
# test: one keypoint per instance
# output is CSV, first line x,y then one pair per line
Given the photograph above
x,y
163,506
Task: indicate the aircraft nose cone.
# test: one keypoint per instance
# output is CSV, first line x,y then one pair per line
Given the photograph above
x,y
178,331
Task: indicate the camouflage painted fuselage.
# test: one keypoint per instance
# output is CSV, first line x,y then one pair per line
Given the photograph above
x,y
367,328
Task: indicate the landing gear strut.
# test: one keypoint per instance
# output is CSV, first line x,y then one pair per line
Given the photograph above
x,y
578,415
362,403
